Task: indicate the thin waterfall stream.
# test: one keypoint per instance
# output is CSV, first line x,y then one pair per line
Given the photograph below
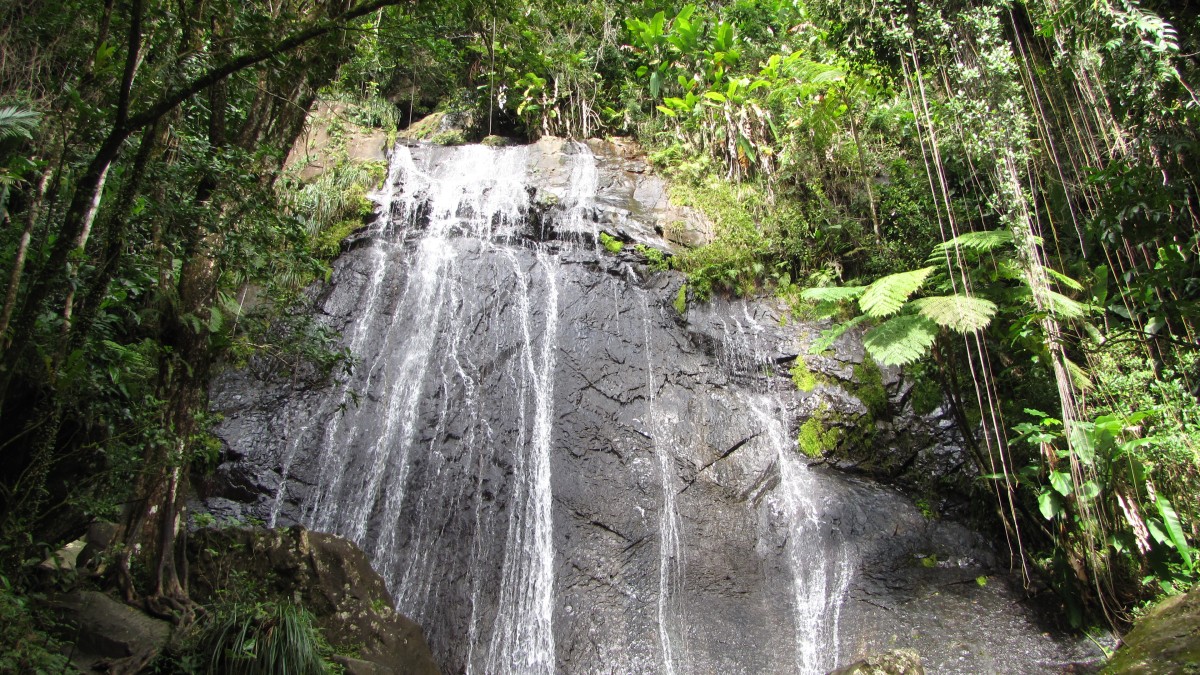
x,y
551,467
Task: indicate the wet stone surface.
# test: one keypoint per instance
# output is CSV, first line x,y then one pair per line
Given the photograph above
x,y
554,471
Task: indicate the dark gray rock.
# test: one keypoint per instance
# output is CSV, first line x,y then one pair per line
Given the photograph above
x,y
898,662
105,634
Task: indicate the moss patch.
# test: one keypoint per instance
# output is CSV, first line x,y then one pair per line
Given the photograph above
x,y
611,243
815,439
869,388
681,300
450,137
802,376
425,128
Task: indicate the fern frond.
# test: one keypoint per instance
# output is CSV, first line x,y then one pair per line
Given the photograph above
x,y
832,293
901,340
981,242
1064,307
887,295
827,337
1064,279
17,122
1079,376
959,313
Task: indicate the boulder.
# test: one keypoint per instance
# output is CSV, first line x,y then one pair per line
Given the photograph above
x,y
108,635
330,137
1166,640
327,575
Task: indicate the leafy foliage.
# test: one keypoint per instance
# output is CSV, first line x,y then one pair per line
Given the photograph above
x,y
959,313
263,639
900,340
887,295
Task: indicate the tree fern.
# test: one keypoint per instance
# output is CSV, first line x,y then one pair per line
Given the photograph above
x,y
832,293
887,295
1064,279
959,313
975,242
901,340
1063,307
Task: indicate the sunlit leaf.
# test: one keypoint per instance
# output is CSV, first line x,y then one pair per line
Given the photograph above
x,y
901,340
887,295
959,313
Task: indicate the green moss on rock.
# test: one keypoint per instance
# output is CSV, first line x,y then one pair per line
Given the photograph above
x,y
450,137
816,439
803,376
611,243
1166,640
868,387
681,299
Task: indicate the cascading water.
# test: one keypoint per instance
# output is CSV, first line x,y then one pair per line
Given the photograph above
x,y
670,553
534,442
818,555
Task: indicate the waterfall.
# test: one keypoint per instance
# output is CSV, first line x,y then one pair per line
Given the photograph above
x,y
818,556
440,453
670,553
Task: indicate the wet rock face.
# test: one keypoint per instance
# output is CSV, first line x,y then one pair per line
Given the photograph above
x,y
554,471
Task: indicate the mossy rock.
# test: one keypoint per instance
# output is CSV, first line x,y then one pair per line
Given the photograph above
x,y
817,438
868,387
1166,640
425,128
497,141
803,376
450,137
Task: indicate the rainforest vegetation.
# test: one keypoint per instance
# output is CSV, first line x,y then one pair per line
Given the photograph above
x,y
1002,194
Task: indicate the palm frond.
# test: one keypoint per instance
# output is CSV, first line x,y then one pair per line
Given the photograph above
x,y
17,122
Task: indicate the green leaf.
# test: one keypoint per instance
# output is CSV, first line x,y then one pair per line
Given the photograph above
x,y
832,293
1064,307
959,313
1064,279
215,320
1082,442
1079,376
887,295
1089,490
1049,505
17,122
981,242
1174,529
1155,324
827,337
665,110
1061,482
901,340
716,96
